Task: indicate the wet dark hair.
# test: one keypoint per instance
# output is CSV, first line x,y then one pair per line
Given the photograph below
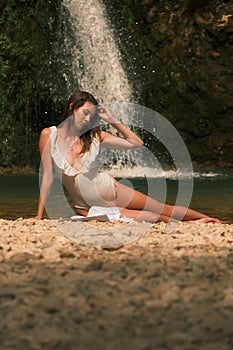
x,y
75,101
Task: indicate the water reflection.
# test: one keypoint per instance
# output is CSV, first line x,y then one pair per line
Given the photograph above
x,y
212,195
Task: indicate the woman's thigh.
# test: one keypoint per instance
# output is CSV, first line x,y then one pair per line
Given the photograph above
x,y
129,198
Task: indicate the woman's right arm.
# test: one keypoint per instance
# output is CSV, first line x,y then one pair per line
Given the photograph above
x,y
47,175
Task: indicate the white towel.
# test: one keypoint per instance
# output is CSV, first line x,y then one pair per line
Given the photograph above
x,y
101,214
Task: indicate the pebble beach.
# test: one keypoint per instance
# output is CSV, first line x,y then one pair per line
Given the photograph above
x,y
163,290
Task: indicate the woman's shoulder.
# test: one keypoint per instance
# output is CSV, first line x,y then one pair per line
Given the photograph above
x,y
47,131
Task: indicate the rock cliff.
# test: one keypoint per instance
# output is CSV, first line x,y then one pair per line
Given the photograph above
x,y
186,60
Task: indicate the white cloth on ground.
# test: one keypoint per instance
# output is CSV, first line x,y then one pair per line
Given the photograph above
x,y
95,212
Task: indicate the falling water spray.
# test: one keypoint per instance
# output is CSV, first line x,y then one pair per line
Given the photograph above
x,y
96,57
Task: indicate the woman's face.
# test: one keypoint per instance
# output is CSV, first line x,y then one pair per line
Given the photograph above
x,y
83,115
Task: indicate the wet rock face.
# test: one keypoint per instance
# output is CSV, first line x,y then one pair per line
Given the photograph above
x,y
187,50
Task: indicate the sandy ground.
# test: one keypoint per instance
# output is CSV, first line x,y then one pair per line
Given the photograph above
x,y
166,290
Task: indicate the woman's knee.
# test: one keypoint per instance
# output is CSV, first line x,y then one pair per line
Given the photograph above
x,y
167,210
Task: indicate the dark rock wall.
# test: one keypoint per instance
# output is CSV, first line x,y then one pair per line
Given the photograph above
x,y
186,61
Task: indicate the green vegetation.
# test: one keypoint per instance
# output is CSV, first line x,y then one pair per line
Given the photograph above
x,y
33,78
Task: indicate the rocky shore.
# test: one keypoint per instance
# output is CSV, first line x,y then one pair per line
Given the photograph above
x,y
166,290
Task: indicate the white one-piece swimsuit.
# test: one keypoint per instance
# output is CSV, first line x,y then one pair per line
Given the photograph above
x,y
87,187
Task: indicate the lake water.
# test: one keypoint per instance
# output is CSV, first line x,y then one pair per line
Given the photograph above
x,y
212,194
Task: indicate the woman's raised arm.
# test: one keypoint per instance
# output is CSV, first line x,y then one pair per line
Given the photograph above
x,y
129,141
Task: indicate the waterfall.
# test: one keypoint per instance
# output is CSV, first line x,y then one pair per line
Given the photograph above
x,y
97,66
96,57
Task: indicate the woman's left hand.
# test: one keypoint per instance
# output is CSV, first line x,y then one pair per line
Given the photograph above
x,y
105,114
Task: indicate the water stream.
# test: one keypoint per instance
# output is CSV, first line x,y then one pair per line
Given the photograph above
x,y
96,57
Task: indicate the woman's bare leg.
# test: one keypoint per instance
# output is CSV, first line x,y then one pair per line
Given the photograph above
x,y
129,198
145,215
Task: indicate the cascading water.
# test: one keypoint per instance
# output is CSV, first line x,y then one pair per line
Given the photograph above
x,y
98,68
96,58
97,65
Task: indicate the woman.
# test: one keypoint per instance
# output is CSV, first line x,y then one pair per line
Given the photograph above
x,y
73,149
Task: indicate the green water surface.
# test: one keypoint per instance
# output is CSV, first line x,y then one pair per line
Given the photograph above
x,y
211,195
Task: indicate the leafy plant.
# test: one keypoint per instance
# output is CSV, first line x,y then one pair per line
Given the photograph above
x,y
35,74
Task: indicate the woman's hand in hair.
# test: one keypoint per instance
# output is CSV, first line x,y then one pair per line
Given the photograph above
x,y
105,114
